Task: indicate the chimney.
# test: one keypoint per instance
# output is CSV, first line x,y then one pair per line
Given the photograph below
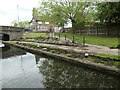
x,y
33,13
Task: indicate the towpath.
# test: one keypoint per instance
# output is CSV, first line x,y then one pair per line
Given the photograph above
x,y
88,48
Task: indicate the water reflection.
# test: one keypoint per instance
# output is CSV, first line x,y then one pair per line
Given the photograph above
x,y
19,69
21,72
60,74
10,51
22,69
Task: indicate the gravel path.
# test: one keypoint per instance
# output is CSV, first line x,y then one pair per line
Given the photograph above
x,y
101,49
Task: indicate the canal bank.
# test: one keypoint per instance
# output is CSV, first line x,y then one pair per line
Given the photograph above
x,y
92,65
24,69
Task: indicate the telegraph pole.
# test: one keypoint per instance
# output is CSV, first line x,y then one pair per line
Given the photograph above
x,y
18,14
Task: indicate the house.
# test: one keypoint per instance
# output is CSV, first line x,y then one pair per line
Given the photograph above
x,y
39,26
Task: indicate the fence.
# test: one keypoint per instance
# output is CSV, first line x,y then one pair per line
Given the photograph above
x,y
113,30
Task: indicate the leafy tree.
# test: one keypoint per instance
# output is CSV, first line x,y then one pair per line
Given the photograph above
x,y
109,12
52,13
15,23
90,16
24,24
62,12
21,24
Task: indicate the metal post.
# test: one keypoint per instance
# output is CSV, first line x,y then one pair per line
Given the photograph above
x,y
59,36
73,39
106,31
84,41
18,14
65,37
97,31
118,31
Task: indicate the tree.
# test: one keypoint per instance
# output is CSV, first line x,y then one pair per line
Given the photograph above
x,y
14,23
52,13
109,12
62,12
24,24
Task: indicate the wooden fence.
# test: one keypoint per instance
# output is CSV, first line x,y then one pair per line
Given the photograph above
x,y
113,30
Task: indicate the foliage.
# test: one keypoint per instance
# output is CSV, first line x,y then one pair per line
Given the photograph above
x,y
109,56
24,24
21,24
50,11
109,12
59,12
79,13
14,23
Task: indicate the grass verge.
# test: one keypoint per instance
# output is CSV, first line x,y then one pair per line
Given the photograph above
x,y
34,35
109,56
97,40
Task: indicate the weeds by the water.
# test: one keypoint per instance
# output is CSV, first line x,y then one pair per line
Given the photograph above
x,y
101,58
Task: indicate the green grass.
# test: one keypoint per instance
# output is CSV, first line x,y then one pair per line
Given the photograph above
x,y
68,54
35,35
103,62
108,56
97,40
116,64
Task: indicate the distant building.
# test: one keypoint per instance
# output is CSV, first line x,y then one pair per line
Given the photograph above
x,y
39,26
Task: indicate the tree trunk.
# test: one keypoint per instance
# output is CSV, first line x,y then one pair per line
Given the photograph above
x,y
73,26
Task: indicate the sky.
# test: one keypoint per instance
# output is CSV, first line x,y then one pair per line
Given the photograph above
x,y
8,10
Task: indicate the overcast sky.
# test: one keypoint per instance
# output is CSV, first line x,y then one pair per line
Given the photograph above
x,y
8,10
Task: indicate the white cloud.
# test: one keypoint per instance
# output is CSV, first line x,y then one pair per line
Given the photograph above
x,y
8,10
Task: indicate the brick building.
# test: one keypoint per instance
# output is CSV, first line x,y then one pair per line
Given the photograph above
x,y
39,26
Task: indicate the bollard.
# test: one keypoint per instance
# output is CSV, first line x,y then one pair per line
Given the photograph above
x,y
59,36
65,37
84,41
73,39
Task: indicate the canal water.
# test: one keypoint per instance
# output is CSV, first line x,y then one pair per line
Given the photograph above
x,y
22,69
